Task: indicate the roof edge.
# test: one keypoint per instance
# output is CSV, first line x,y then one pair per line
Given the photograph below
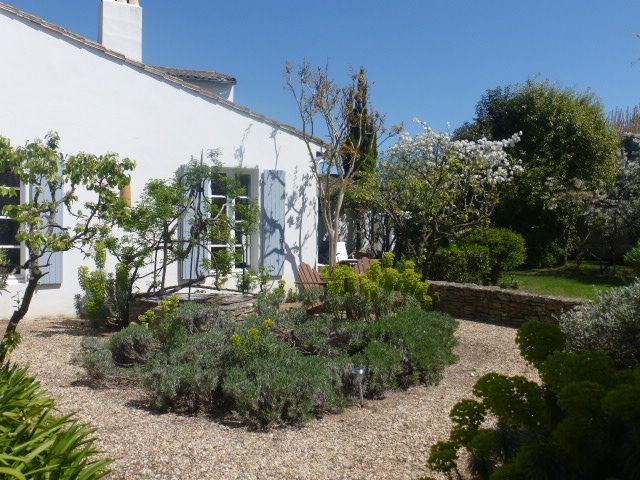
x,y
198,75
160,75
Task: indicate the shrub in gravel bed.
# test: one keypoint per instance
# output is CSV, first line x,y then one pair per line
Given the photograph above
x,y
97,360
36,444
269,383
425,340
274,369
383,367
185,378
133,344
581,423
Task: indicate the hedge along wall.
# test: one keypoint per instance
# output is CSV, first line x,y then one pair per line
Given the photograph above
x,y
498,305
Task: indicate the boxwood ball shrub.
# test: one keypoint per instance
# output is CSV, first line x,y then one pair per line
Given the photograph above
x,y
35,443
465,263
581,423
632,258
611,324
507,249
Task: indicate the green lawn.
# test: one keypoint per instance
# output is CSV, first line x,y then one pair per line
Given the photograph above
x,y
569,281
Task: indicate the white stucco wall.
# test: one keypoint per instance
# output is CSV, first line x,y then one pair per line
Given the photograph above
x,y
99,104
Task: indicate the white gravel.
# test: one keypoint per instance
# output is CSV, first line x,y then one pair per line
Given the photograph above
x,y
388,439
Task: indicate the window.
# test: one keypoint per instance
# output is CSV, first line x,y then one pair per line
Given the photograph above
x,y
240,244
9,228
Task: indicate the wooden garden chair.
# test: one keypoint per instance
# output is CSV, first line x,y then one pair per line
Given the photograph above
x,y
310,279
362,266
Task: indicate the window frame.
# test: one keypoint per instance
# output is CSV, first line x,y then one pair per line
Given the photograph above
x,y
248,240
18,276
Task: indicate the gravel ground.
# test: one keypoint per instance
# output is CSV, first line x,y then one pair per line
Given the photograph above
x,y
387,439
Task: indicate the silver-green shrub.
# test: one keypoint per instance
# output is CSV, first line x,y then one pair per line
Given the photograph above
x,y
611,324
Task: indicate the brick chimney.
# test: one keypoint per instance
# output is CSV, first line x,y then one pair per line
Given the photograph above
x,y
120,27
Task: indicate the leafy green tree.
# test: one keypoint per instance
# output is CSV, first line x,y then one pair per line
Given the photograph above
x,y
566,138
361,148
149,240
56,180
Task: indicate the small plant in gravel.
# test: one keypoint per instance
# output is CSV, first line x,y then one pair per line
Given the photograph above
x,y
582,421
383,290
35,443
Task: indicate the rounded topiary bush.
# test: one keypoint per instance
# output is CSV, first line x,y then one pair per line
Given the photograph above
x,y
537,340
581,422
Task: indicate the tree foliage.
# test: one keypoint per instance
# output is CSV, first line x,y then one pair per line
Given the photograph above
x,y
615,212
149,236
56,180
566,139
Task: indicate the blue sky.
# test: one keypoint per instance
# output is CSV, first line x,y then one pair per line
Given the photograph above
x,y
429,59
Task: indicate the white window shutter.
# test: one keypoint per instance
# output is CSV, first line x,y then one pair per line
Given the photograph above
x,y
272,221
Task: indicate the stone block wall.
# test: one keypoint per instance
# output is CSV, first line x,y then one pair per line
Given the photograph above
x,y
238,305
497,305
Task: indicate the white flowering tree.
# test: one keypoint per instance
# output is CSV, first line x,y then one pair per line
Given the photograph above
x,y
616,212
434,188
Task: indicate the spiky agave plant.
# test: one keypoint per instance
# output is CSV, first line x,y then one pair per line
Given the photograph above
x,y
37,444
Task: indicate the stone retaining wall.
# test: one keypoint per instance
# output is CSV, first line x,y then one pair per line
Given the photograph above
x,y
237,304
495,304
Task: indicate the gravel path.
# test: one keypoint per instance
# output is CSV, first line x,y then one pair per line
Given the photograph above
x,y
388,438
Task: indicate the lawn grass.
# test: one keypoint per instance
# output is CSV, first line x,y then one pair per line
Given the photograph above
x,y
570,281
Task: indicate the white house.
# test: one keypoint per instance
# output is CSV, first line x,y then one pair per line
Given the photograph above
x,y
101,97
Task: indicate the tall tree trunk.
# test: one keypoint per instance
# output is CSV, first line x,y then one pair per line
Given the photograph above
x,y
18,315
